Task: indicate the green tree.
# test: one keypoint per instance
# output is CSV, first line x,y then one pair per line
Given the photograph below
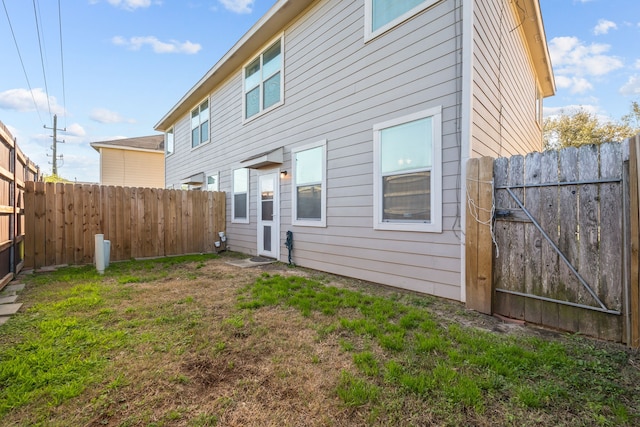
x,y
54,178
584,127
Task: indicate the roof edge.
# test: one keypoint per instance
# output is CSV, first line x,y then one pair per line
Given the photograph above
x,y
97,145
272,22
533,26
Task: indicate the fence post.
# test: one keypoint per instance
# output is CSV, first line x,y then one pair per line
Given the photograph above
x,y
634,282
478,239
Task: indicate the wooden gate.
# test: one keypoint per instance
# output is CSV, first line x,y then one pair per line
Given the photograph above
x,y
561,250
559,231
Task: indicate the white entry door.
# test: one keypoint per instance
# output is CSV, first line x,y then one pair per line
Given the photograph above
x,y
269,215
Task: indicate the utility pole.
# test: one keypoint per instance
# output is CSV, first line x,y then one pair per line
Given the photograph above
x,y
54,169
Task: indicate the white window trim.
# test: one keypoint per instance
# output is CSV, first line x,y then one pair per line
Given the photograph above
x,y
368,18
235,220
171,130
435,226
294,204
215,174
539,107
282,73
191,128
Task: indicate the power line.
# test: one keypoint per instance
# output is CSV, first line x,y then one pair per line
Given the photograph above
x,y
24,70
44,73
64,96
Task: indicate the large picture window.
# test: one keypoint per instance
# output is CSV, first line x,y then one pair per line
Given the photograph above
x,y
263,81
240,205
382,15
200,124
408,173
309,184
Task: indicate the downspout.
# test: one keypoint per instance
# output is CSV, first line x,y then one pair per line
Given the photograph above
x,y
465,129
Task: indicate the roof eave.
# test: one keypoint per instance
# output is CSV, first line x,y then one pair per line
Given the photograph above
x,y
97,146
276,19
533,27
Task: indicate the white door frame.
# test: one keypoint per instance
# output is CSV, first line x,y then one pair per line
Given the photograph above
x,y
272,174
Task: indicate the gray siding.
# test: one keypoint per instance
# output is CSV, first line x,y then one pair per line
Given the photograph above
x,y
504,86
336,88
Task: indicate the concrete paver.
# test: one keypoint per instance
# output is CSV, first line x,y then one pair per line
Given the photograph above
x,y
8,299
7,309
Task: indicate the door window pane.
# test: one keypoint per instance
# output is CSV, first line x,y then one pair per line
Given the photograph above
x,y
266,196
266,239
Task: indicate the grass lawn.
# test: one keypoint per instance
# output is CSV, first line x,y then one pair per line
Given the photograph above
x,y
193,341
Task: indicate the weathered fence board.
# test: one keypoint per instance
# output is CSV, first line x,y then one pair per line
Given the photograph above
x,y
15,169
634,239
62,220
567,239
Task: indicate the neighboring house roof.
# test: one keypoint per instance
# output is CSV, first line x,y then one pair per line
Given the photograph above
x,y
284,11
152,143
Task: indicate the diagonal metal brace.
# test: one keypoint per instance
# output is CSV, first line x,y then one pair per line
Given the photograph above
x,y
558,251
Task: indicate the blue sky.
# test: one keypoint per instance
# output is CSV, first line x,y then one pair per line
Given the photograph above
x,y
127,62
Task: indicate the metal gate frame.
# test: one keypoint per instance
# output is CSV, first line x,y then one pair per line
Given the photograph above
x,y
602,307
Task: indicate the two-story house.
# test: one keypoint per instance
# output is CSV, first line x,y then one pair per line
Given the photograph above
x,y
349,123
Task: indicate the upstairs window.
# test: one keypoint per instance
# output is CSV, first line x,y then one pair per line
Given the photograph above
x,y
200,124
408,173
169,142
263,81
382,15
309,184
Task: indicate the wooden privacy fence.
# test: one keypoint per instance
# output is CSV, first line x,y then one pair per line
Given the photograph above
x,y
15,170
62,220
552,239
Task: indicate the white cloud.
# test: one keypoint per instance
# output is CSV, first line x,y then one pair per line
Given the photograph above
x,y
574,62
173,46
126,4
576,85
604,26
632,86
569,55
637,64
75,129
569,109
23,100
102,115
238,6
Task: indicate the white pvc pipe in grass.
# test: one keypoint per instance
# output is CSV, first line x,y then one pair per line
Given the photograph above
x,y
99,253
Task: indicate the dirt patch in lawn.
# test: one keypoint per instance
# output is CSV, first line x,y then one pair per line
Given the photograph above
x,y
192,357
